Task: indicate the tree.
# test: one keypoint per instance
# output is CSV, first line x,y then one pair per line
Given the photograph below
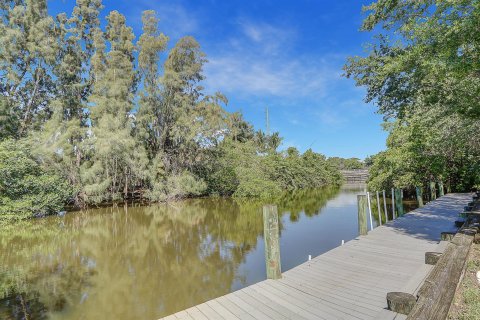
x,y
238,128
151,114
26,190
422,72
61,141
117,161
346,164
27,56
181,93
114,125
435,64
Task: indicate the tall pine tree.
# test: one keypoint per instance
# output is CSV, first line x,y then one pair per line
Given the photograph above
x,y
27,55
64,134
150,116
117,161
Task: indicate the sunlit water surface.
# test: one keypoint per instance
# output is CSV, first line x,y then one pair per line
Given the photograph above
x,y
145,262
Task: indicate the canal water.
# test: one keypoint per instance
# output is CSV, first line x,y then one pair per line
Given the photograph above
x,y
145,262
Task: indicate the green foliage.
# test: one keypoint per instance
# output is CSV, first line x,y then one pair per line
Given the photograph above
x,y
28,51
422,72
184,185
239,170
294,171
96,107
26,190
243,170
346,164
435,63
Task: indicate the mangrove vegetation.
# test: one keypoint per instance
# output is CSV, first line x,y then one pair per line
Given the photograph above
x,y
422,71
91,114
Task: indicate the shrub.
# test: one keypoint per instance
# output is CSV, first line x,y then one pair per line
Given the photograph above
x,y
184,185
26,190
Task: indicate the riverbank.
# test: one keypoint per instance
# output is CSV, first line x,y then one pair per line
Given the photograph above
x,y
124,262
466,304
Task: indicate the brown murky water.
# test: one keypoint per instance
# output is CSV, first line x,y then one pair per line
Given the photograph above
x,y
147,262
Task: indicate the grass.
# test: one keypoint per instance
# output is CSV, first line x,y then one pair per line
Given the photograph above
x,y
466,304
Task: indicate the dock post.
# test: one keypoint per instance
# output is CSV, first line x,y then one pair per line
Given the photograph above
x,y
433,192
419,196
441,191
393,204
370,210
379,210
362,214
399,202
272,242
385,205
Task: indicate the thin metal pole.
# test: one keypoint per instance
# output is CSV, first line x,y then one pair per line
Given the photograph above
x,y
370,210
385,206
393,203
379,210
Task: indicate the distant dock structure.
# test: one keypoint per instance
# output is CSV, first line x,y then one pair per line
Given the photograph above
x,y
357,176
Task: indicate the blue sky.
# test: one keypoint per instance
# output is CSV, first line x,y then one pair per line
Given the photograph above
x,y
287,55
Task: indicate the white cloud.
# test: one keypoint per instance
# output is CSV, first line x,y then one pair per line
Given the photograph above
x,y
262,76
175,20
260,62
267,38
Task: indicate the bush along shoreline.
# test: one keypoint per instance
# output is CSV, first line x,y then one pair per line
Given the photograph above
x,y
92,114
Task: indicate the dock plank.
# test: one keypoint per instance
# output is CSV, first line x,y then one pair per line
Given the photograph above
x,y
350,281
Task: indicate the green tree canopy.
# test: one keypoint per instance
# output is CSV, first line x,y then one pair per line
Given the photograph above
x,y
422,71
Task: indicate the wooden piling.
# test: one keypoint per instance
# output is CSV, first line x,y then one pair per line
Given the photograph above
x,y
441,191
399,202
362,215
433,191
419,196
400,302
272,242
385,206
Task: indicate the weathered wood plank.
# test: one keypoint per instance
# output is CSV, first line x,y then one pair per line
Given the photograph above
x,y
196,314
351,281
436,295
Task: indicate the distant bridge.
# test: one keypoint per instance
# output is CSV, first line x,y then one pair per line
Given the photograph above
x,y
355,176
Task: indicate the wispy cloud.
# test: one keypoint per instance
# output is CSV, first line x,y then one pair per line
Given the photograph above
x,y
268,39
175,20
261,76
259,62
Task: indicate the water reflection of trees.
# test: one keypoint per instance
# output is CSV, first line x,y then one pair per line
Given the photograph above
x,y
311,202
137,262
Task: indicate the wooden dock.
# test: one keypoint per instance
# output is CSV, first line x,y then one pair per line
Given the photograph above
x,y
350,281
355,176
